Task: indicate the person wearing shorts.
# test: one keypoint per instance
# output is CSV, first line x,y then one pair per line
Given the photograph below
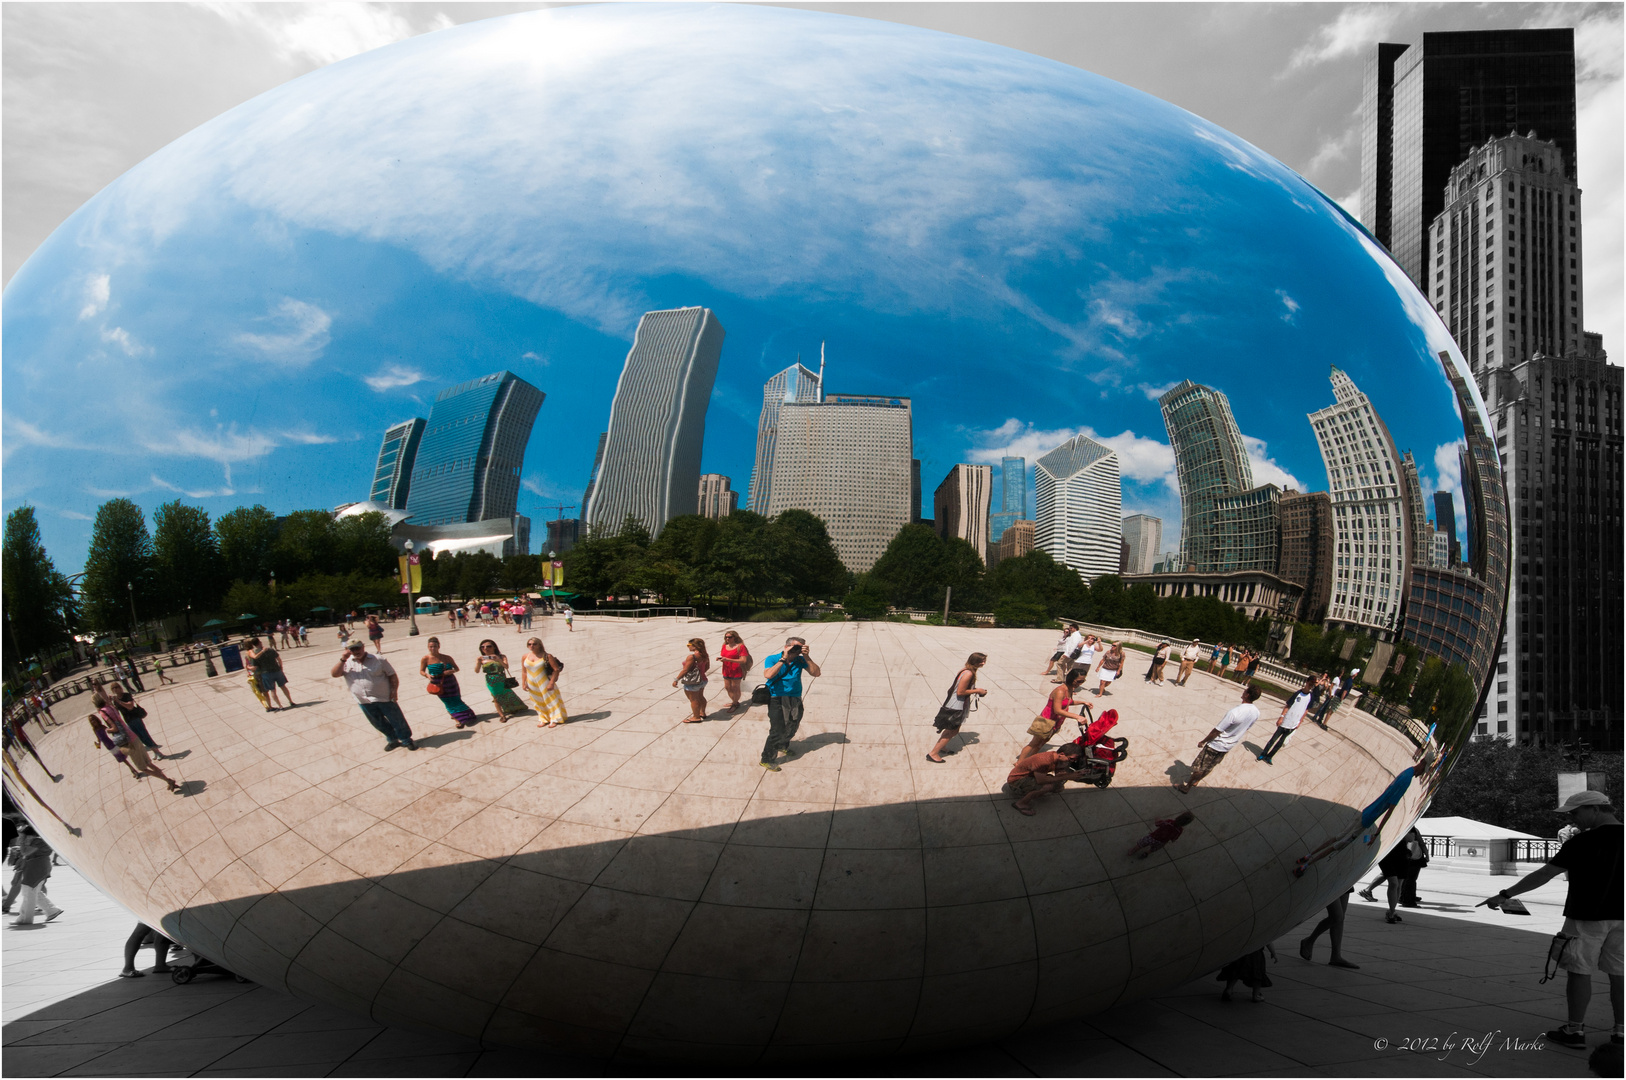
x,y
1592,910
1038,775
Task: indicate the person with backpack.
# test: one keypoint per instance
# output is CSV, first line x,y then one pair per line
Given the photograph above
x,y
957,705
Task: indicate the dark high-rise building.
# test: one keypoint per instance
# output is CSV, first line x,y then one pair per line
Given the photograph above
x,y
1307,550
1558,429
1445,520
392,478
914,491
563,534
472,450
1428,103
651,463
1210,461
598,463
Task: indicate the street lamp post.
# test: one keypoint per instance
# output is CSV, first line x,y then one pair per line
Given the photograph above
x,y
134,622
412,606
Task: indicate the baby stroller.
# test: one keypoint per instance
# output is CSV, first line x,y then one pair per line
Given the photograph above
x,y
186,965
1101,752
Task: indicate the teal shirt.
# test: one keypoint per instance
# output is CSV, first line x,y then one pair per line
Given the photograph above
x,y
788,683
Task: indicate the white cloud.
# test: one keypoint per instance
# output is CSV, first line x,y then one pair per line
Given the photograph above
x,y
1357,29
205,493
1334,148
535,358
392,376
75,515
98,289
1154,392
121,337
1289,303
1265,468
300,334
1351,203
543,488
308,438
321,33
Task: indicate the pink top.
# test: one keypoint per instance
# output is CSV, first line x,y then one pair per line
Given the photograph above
x,y
1065,702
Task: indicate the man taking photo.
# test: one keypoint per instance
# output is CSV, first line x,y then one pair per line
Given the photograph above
x,y
1592,911
783,674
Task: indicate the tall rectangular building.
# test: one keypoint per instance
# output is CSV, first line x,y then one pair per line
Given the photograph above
x,y
796,383
1306,551
717,498
960,506
473,448
563,534
1427,103
1017,541
1013,498
1371,521
847,461
1144,535
392,477
1507,270
1445,520
1557,424
1249,530
1078,506
1210,462
651,467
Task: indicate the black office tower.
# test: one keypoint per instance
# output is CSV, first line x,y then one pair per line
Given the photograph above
x,y
1427,104
1445,520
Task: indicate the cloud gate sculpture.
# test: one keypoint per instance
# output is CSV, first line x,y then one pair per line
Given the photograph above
x,y
997,257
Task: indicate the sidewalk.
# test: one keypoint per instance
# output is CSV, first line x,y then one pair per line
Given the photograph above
x,y
1447,973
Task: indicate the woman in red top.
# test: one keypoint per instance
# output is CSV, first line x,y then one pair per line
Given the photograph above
x,y
1055,711
736,659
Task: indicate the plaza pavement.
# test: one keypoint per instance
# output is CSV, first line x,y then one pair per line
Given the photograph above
x,y
265,790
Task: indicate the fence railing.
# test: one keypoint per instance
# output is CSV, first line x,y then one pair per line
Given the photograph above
x,y
1537,850
642,612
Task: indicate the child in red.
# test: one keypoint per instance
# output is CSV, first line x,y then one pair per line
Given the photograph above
x,y
1164,831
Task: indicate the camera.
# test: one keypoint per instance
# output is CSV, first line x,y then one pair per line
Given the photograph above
x,y
794,650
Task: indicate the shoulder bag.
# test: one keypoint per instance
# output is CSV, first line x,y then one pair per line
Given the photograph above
x,y
952,713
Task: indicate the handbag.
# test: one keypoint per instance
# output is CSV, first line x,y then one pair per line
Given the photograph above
x,y
948,716
760,695
136,712
434,687
510,682
118,738
1043,727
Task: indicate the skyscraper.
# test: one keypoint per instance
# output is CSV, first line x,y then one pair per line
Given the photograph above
x,y
1249,530
1013,497
392,478
473,448
795,383
1427,103
1445,520
717,497
1306,553
1371,522
847,461
1017,541
651,466
563,534
960,506
1210,461
1422,533
1507,271
1558,430
1078,506
1144,535
592,478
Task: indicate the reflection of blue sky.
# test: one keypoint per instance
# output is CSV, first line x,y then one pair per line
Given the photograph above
x,y
1025,249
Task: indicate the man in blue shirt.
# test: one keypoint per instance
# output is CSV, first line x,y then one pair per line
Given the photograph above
x,y
783,674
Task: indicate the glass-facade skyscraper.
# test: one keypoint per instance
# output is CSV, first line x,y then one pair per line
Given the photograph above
x,y
651,461
1078,507
1013,498
1210,461
397,454
1428,103
473,447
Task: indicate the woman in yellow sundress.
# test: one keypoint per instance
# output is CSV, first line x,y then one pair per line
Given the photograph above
x,y
539,678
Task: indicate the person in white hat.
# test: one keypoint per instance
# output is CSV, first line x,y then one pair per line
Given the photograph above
x,y
1592,910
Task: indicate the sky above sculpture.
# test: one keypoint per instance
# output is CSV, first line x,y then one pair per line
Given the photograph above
x,y
1027,250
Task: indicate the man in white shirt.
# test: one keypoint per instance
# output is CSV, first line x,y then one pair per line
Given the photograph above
x,y
1188,658
373,683
1069,653
1213,747
1287,723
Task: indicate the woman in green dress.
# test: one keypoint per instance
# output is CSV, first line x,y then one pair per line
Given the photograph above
x,y
494,666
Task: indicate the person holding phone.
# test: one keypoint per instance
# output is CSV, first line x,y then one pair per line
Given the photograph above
x,y
783,673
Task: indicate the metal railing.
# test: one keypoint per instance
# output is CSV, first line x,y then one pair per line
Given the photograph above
x,y
642,613
1535,850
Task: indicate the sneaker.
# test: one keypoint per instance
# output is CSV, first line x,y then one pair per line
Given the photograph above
x,y
410,745
770,766
391,745
1563,1036
788,752
1367,895
53,914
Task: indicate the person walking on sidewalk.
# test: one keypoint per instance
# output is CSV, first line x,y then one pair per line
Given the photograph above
x,y
783,673
145,935
375,686
1188,660
1212,748
957,705
1331,924
1592,910
1287,723
35,868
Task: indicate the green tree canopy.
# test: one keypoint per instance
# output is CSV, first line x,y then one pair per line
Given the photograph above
x,y
361,545
246,536
39,605
307,543
118,566
187,569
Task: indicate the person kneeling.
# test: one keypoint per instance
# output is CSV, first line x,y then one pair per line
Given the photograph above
x,y
1041,774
